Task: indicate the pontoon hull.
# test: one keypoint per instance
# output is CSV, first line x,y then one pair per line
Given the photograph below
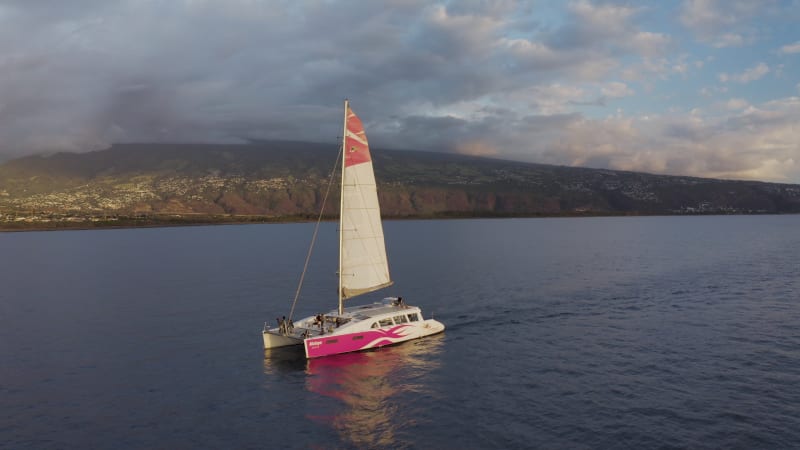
x,y
334,344
358,328
273,339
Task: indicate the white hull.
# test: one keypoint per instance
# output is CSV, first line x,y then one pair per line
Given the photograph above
x,y
273,339
358,328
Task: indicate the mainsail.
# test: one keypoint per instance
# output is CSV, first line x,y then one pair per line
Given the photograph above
x,y
363,266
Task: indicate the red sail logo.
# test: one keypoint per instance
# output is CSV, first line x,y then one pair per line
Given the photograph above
x,y
356,147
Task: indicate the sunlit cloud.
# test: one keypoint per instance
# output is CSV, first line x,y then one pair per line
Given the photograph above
x,y
722,23
476,148
737,104
728,40
751,74
616,89
789,49
752,143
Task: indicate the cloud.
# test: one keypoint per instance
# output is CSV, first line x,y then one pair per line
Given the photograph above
x,y
728,40
700,15
754,143
514,79
609,27
122,70
743,141
652,69
477,148
789,49
616,89
737,104
751,74
713,90
726,23
555,98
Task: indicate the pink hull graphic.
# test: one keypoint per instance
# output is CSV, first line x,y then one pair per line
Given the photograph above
x,y
353,342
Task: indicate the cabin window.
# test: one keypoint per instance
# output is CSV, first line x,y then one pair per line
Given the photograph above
x,y
400,319
386,322
331,341
413,317
374,325
355,338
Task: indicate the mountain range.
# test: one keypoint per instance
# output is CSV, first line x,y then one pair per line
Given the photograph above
x,y
279,180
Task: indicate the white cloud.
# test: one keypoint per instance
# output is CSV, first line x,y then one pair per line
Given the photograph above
x,y
545,99
728,40
751,74
608,17
661,68
737,104
755,143
705,17
616,89
649,44
790,48
611,26
724,23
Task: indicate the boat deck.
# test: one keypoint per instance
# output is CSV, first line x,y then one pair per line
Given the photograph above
x,y
310,326
372,310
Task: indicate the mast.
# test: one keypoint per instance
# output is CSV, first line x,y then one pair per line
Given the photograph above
x,y
341,206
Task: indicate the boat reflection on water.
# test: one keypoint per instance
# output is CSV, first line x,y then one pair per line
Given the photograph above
x,y
366,384
284,359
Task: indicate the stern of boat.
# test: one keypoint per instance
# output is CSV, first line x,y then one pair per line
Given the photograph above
x,y
274,339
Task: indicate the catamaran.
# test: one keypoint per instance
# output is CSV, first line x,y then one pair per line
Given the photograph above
x,y
363,268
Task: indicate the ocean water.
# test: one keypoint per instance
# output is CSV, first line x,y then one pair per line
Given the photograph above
x,y
653,332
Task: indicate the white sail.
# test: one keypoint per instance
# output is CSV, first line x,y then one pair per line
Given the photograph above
x,y
363,265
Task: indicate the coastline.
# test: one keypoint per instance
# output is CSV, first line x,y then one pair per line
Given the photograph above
x,y
190,220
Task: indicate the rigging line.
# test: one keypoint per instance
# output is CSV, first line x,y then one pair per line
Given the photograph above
x,y
316,229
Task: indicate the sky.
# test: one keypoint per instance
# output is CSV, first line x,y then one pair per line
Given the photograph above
x,y
693,87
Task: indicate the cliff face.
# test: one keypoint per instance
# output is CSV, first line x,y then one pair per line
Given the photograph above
x,y
278,179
